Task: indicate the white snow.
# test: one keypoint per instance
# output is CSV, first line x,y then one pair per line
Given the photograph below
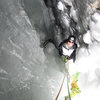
x,y
95,26
88,63
60,6
87,37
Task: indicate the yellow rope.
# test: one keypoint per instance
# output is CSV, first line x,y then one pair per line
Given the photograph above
x,y
61,87
66,70
68,79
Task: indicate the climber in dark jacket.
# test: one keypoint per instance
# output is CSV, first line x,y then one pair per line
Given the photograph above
x,y
67,48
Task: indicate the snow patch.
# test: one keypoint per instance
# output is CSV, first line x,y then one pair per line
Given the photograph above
x,y
87,37
60,6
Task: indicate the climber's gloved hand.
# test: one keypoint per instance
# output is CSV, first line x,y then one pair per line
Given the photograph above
x,y
66,59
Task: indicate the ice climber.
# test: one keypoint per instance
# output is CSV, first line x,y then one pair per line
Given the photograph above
x,y
66,49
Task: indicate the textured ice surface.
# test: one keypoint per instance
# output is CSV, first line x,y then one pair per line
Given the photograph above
x,y
27,72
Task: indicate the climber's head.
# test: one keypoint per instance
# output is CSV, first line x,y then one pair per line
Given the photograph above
x,y
71,40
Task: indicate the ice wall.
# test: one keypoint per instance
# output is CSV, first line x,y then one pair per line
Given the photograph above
x,y
27,72
22,68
